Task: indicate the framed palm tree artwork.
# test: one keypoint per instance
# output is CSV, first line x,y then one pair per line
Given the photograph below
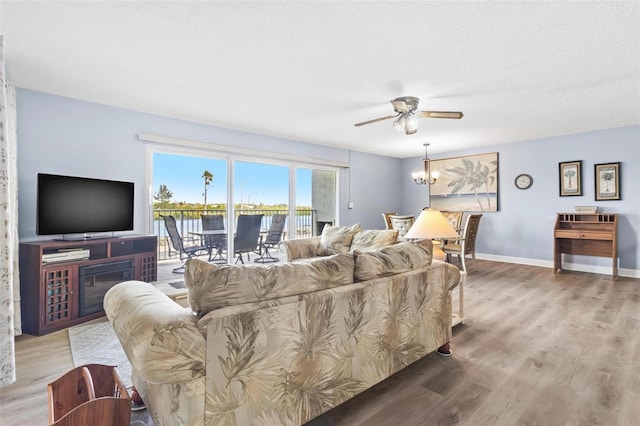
x,y
570,175
467,183
607,177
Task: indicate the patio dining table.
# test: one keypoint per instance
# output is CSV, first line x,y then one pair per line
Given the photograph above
x,y
209,242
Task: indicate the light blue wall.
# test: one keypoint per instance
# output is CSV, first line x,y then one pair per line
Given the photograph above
x,y
523,227
66,136
374,189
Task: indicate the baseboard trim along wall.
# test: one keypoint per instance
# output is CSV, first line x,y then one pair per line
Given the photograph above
x,y
593,269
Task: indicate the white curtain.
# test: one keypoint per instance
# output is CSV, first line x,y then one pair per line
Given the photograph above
x,y
10,324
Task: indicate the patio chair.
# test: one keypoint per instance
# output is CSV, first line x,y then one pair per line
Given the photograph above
x,y
247,235
273,238
216,243
185,251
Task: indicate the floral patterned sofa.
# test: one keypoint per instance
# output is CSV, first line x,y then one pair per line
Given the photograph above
x,y
281,344
337,239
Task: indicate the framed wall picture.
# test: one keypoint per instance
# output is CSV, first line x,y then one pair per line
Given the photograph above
x,y
468,183
570,178
607,177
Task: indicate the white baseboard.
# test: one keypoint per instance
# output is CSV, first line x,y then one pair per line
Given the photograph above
x,y
593,269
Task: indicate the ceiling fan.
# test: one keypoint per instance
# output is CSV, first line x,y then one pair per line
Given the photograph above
x,y
407,116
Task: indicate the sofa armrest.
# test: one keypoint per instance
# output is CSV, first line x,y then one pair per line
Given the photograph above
x,y
160,338
453,275
300,248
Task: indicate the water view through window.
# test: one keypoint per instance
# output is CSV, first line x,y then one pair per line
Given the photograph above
x,y
187,186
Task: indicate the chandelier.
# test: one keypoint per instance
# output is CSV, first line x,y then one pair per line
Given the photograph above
x,y
426,176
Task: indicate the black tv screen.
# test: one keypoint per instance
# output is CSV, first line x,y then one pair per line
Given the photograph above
x,y
73,205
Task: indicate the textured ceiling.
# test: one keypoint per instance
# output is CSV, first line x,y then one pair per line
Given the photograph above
x,y
310,70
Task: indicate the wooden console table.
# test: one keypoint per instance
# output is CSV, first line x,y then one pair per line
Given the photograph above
x,y
587,234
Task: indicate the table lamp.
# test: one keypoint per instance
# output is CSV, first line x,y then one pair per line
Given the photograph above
x,y
432,225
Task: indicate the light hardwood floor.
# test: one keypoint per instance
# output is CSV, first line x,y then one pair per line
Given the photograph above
x,y
535,349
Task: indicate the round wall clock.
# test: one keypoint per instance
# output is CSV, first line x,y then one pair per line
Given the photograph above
x,y
524,181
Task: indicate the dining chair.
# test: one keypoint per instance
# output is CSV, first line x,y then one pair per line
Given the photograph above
x,y
387,219
272,239
216,243
402,224
455,220
188,250
467,244
247,235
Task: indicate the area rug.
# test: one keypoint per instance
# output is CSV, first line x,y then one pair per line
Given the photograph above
x,y
97,343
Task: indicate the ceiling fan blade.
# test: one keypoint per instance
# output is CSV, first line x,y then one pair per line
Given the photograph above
x,y
400,105
441,114
375,120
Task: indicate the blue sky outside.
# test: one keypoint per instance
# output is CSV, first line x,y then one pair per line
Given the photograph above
x,y
254,182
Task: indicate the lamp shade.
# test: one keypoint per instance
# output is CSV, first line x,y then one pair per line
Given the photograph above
x,y
431,225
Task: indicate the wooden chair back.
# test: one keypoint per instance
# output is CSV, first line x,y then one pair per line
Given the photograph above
x,y
470,233
455,219
92,394
387,219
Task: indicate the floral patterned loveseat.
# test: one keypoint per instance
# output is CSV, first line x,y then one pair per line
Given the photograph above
x,y
281,344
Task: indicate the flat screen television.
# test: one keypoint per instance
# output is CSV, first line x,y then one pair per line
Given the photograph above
x,y
80,205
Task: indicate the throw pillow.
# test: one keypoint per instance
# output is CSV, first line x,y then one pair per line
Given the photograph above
x,y
337,239
373,238
391,260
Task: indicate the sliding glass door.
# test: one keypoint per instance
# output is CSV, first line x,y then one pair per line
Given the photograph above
x,y
188,186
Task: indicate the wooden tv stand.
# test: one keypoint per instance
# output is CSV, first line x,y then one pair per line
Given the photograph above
x,y
50,289
587,234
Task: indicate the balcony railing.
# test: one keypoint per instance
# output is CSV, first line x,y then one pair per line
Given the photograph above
x,y
189,221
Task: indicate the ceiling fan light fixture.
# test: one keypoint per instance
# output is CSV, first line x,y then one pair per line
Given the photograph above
x,y
407,123
411,123
399,124
406,115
